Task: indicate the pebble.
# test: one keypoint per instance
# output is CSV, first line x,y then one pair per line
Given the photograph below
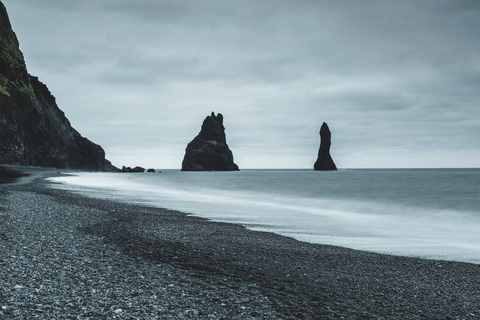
x,y
90,275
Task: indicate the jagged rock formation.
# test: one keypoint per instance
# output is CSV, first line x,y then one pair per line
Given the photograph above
x,y
128,169
324,161
33,130
209,150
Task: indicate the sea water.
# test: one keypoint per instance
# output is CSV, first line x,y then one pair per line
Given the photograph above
x,y
428,213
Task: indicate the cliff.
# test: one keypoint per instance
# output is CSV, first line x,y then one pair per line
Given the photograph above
x,y
324,160
33,130
209,150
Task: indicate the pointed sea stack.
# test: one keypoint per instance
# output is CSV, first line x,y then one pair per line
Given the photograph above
x,y
209,150
33,130
324,161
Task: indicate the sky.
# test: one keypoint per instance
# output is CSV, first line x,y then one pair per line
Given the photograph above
x,y
398,82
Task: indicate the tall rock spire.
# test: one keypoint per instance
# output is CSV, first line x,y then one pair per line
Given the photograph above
x,y
325,161
209,150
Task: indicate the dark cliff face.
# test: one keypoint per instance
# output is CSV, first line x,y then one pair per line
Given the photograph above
x,y
33,130
12,64
325,161
209,150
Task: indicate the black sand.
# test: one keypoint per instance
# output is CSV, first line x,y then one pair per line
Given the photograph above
x,y
64,256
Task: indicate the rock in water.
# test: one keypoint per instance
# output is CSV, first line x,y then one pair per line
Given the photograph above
x,y
209,150
130,170
325,161
33,130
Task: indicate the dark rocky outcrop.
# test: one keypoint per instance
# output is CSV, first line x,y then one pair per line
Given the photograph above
x,y
151,170
324,161
128,169
209,150
33,130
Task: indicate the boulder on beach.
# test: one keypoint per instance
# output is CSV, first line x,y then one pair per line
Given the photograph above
x,y
209,150
324,160
151,170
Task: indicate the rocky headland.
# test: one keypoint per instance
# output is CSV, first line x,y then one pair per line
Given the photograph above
x,y
324,160
33,130
209,150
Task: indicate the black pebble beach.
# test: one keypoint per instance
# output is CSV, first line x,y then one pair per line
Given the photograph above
x,y
65,256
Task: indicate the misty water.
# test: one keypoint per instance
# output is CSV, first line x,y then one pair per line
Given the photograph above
x,y
429,213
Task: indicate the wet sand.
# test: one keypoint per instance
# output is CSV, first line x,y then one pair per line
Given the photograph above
x,y
68,256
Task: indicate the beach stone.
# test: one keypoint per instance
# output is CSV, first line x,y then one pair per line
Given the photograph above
x,y
129,250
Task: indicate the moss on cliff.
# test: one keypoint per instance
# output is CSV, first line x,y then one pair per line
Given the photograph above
x,y
3,85
28,90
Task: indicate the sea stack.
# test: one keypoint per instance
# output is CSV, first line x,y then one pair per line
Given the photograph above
x,y
325,161
33,130
209,150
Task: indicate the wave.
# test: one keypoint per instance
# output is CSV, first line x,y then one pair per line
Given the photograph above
x,y
376,226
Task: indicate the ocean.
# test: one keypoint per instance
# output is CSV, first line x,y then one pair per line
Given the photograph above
x,y
427,213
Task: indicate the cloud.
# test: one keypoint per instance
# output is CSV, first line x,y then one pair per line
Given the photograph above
x,y
395,77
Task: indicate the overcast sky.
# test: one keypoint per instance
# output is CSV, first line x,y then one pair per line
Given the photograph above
x,y
398,82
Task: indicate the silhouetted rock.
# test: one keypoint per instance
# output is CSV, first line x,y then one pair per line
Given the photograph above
x,y
33,130
136,169
151,170
209,150
324,161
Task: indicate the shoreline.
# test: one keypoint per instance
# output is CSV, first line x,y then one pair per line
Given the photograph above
x,y
421,226
197,268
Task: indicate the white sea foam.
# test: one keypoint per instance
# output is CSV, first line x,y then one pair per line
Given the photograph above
x,y
291,204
